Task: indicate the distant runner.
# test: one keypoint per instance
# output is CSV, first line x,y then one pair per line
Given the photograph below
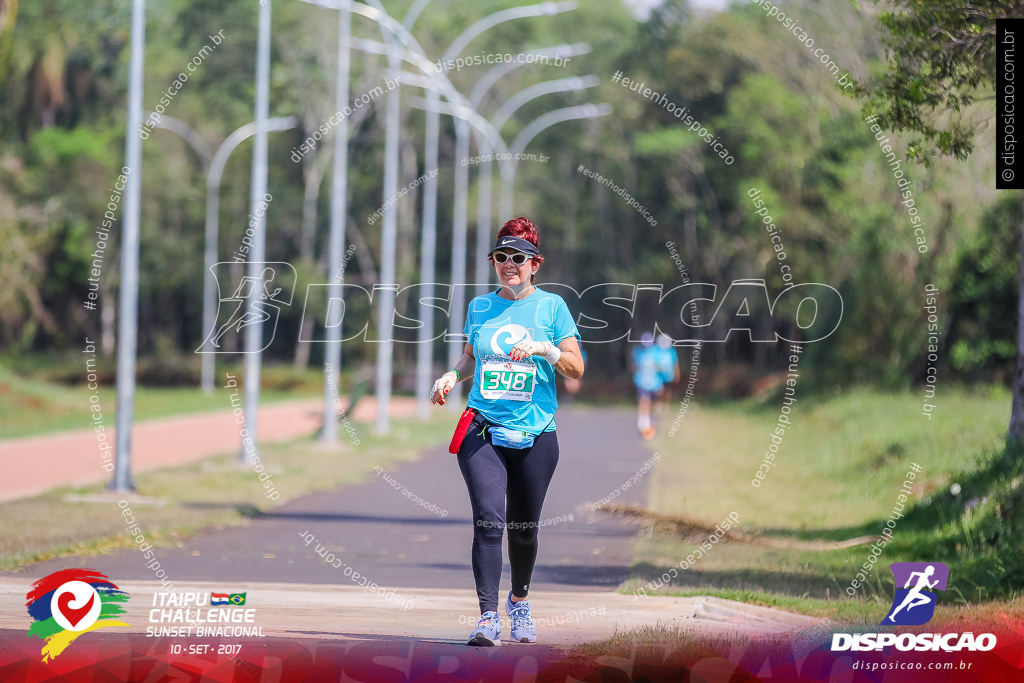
x,y
648,383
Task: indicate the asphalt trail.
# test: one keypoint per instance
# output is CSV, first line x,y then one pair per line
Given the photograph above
x,y
390,538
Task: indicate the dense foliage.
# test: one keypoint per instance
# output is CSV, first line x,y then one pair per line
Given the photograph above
x,y
794,133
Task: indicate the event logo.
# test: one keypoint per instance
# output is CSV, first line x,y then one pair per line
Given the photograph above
x,y
69,603
914,604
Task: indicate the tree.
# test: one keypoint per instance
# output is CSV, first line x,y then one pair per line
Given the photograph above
x,y
942,58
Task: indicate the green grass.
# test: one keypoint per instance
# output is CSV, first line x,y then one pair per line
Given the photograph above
x,y
30,405
211,492
837,475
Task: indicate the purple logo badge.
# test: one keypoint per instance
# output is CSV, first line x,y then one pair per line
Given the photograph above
x,y
914,601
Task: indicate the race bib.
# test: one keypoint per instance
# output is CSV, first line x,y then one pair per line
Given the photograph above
x,y
501,377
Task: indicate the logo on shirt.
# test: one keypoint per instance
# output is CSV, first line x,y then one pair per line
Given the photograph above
x,y
507,336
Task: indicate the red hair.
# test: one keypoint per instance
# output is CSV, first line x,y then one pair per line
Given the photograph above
x,y
522,228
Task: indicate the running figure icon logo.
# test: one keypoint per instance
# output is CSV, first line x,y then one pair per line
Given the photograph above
x,y
252,300
914,603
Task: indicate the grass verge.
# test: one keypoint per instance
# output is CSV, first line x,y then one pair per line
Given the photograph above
x,y
211,492
838,474
30,406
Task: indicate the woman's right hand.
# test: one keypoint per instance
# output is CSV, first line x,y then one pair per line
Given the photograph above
x,y
442,386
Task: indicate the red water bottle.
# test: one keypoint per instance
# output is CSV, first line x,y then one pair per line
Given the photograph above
x,y
460,430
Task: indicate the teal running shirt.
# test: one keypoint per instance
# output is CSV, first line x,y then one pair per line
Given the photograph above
x,y
516,394
646,376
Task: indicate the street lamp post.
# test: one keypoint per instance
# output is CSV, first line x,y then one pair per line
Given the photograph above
x,y
513,103
507,109
482,273
530,131
336,240
458,105
258,189
213,169
389,235
129,299
212,239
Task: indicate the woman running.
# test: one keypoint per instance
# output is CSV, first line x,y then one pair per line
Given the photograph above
x,y
518,335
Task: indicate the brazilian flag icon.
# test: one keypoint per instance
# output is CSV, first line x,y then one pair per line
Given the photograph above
x,y
236,598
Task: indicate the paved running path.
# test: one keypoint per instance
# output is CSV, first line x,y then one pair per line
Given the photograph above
x,y
390,538
424,556
343,612
35,464
308,631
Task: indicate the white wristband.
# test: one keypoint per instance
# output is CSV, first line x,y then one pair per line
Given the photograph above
x,y
553,354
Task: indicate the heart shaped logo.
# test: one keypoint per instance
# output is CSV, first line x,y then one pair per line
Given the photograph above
x,y
72,614
76,605
69,603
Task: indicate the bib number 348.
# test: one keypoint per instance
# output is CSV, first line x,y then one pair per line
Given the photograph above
x,y
512,381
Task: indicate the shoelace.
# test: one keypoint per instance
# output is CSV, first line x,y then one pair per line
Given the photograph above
x,y
520,614
484,621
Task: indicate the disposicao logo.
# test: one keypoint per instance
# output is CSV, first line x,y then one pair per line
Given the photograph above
x,y
69,603
913,604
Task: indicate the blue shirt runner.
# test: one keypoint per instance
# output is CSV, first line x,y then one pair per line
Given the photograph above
x,y
646,374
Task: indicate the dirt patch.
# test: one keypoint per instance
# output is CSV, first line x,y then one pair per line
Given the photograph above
x,y
694,530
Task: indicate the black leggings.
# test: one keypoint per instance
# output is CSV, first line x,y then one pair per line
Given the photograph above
x,y
501,479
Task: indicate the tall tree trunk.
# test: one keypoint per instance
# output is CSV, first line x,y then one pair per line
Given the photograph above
x,y
1016,433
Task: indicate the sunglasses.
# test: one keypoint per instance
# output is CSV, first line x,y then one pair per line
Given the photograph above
x,y
518,258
